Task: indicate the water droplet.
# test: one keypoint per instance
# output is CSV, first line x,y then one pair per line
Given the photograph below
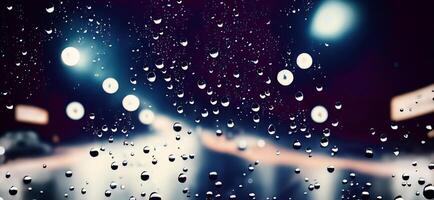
x,y
396,151
114,166
146,149
68,173
158,20
271,129
255,107
230,123
324,142
177,127
171,157
13,190
144,176
183,42
10,107
421,181
107,193
331,169
155,196
398,198
431,166
365,195
212,175
50,9
152,77
201,84
225,102
428,191
296,145
405,177
214,53
94,152
299,96
27,179
369,153
182,178
338,105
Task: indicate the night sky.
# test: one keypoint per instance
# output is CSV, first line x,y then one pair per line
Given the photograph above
x,y
389,51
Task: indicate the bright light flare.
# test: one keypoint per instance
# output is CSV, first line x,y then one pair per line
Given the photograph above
x,y
333,19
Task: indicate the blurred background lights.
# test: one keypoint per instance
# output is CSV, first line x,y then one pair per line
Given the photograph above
x,y
285,77
146,116
75,110
70,56
332,19
304,61
110,85
130,103
319,114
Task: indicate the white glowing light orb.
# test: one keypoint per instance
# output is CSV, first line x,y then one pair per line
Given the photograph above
x,y
70,56
332,19
285,77
75,110
130,103
304,61
146,116
110,85
2,150
319,114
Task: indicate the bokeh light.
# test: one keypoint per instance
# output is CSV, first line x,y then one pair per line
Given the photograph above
x,y
131,103
332,19
110,85
75,110
70,56
146,116
319,114
285,77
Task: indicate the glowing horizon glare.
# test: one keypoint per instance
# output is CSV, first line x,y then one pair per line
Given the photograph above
x,y
332,19
70,56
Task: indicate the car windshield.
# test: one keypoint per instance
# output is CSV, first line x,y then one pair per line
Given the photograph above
x,y
216,99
